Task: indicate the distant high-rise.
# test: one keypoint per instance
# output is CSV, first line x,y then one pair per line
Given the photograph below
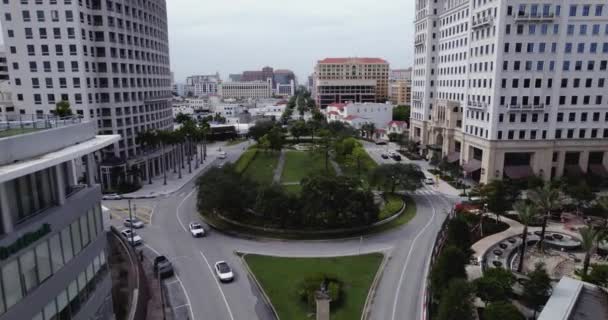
x,y
283,81
511,89
202,85
108,59
340,80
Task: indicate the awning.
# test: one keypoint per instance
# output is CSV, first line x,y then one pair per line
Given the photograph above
x,y
518,172
574,171
472,166
598,170
453,157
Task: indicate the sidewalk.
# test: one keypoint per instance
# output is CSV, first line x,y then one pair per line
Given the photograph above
x,y
157,188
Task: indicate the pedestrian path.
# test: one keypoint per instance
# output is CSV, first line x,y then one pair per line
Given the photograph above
x,y
276,178
336,167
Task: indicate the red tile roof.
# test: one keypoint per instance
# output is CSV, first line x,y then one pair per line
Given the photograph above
x,y
353,60
399,123
337,105
351,117
333,113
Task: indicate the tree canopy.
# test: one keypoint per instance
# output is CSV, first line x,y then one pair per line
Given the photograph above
x,y
449,265
502,310
537,287
389,177
401,113
62,109
495,285
456,302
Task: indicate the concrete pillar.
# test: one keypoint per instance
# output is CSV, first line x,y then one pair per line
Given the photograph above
x,y
72,176
561,163
34,190
322,300
90,169
583,161
59,184
7,219
605,160
542,163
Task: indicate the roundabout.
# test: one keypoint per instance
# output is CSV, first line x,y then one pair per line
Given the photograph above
x,y
397,295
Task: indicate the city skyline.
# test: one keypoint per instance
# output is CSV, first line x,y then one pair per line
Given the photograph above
x,y
204,39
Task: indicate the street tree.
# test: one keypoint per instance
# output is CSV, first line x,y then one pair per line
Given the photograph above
x,y
495,196
527,214
325,145
456,302
182,117
276,138
581,194
389,177
298,129
495,285
63,109
459,234
260,129
546,199
401,113
537,288
449,265
502,310
224,191
356,157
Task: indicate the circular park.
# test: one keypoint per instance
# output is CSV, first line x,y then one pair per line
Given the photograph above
x,y
320,186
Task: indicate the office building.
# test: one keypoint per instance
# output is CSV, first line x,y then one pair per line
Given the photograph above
x,y
341,80
52,239
512,88
400,74
108,59
202,85
246,89
400,92
358,114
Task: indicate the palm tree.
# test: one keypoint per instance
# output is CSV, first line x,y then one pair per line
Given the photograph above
x,y
147,140
205,129
164,137
589,238
527,213
546,199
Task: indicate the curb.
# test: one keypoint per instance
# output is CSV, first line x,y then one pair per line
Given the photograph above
x,y
371,294
242,256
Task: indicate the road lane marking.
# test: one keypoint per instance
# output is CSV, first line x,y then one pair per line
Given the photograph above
x,y
179,207
187,296
183,305
218,285
407,259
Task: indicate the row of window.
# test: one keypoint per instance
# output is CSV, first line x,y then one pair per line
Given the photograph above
x,y
23,274
567,65
68,302
595,133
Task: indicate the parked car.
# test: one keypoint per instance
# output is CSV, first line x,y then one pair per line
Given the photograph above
x,y
384,156
223,155
396,157
163,267
196,229
429,181
134,239
223,271
111,196
134,223
381,142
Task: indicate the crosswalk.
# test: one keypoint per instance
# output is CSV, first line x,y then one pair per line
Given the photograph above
x,y
425,192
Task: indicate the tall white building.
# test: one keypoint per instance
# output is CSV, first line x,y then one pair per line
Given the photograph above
x,y
202,85
109,59
513,88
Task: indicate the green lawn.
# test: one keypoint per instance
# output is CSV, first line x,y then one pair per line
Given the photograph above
x,y
300,164
261,168
16,131
294,189
392,205
280,278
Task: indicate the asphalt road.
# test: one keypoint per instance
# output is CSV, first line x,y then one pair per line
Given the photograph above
x,y
400,291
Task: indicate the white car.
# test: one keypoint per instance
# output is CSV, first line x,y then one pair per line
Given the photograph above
x,y
135,223
111,196
196,229
429,181
134,238
223,155
223,271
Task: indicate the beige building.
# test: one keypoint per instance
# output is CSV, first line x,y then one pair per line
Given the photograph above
x,y
341,80
401,92
510,90
246,89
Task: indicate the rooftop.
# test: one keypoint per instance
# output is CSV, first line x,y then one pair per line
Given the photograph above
x,y
575,300
12,125
353,60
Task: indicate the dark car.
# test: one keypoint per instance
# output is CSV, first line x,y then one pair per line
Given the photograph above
x,y
396,157
384,156
162,267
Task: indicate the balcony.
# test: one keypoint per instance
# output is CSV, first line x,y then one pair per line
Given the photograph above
x,y
477,105
526,107
482,22
528,17
419,41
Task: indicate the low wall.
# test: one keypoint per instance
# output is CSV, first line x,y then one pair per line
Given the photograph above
x,y
137,284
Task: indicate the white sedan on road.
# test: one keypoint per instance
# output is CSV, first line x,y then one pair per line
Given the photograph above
x,y
132,238
196,229
111,196
223,271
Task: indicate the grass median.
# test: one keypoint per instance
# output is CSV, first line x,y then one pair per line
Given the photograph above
x,y
281,278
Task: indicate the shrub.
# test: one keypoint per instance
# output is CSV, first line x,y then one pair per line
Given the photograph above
x,y
311,285
246,159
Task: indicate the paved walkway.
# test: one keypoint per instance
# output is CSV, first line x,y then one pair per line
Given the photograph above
x,y
336,167
174,183
279,169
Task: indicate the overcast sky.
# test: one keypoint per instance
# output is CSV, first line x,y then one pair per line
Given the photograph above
x,y
229,36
